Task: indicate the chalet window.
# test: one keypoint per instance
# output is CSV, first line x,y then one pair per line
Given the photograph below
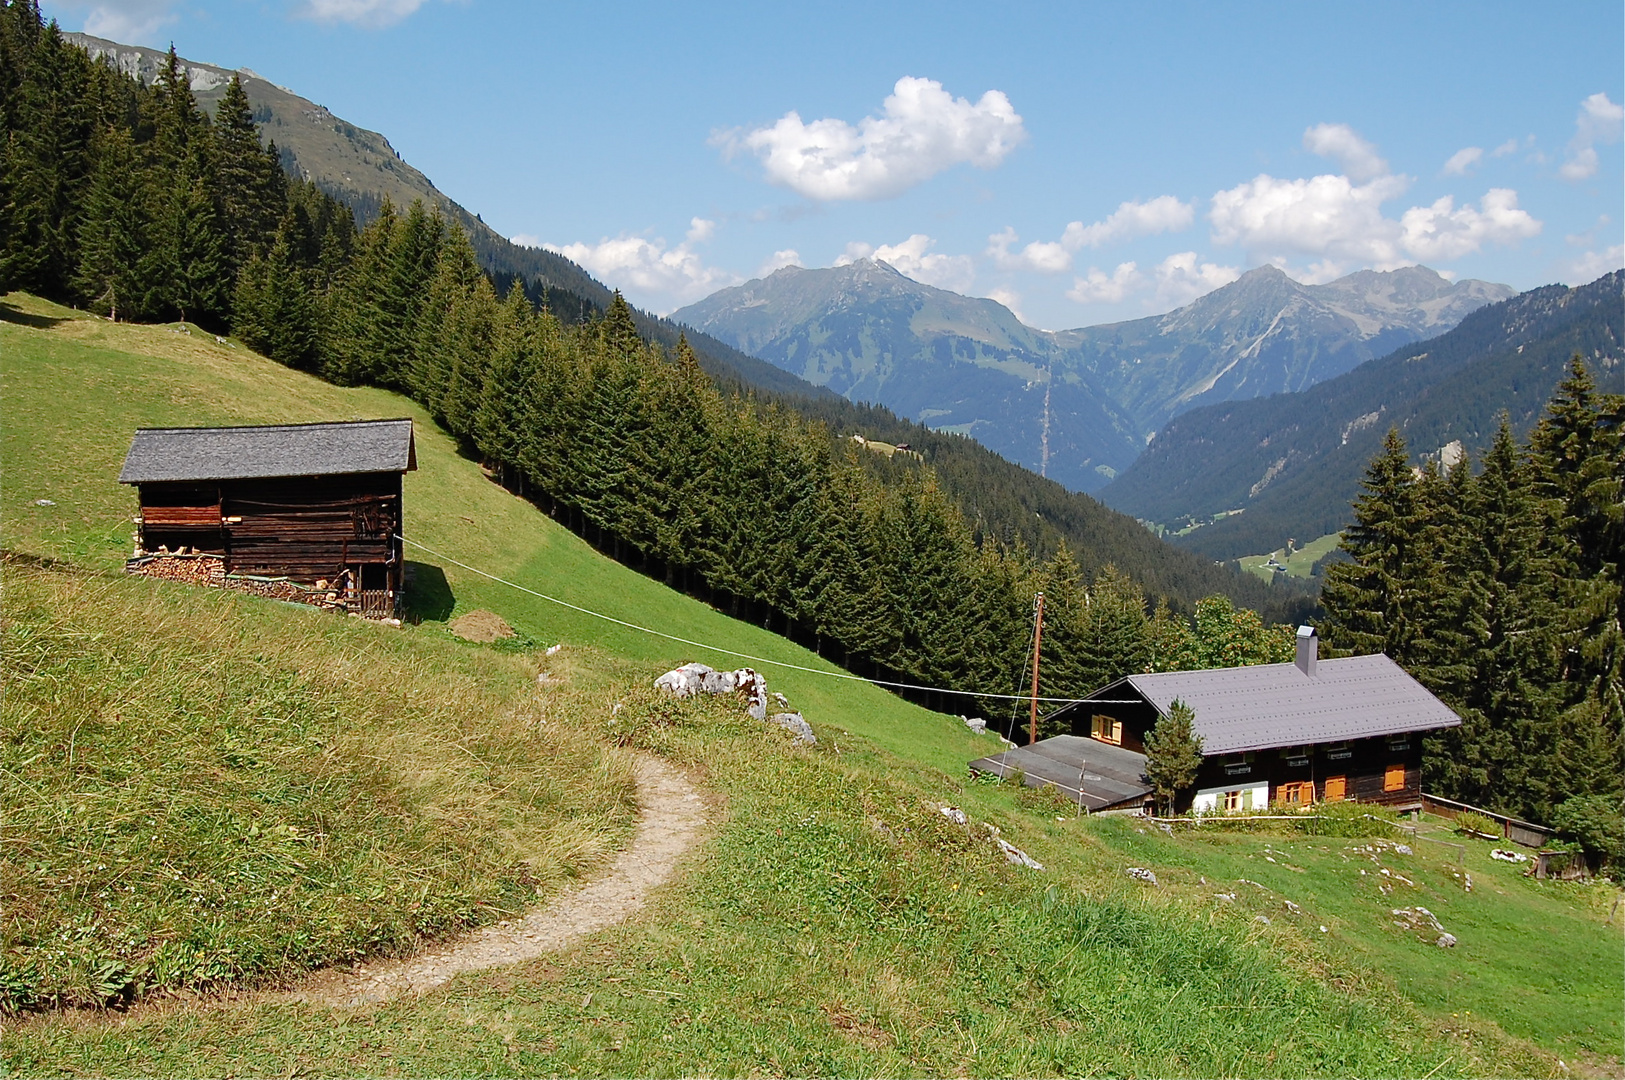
x,y
1336,788
1393,779
1295,755
1106,729
1337,751
1399,742
1296,793
1237,764
1232,801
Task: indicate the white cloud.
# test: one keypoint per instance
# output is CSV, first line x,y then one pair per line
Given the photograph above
x,y
1324,215
1340,221
1588,267
672,276
1463,160
1096,287
1181,278
128,21
921,131
1508,147
1129,221
372,13
911,258
1009,299
778,261
700,230
1039,256
1339,142
1442,232
1600,121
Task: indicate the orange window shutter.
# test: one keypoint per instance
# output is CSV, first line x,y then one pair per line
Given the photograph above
x,y
1394,778
1336,788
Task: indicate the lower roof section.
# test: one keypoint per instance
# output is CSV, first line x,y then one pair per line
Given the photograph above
x,y
1110,775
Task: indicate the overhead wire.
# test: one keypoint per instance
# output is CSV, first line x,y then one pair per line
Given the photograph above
x,y
719,649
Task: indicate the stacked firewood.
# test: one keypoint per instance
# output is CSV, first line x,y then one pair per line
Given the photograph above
x,y
196,569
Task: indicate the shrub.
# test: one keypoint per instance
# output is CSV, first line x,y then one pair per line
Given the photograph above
x,y
1595,823
1471,821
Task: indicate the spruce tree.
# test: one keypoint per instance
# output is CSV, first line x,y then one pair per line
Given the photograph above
x,y
112,232
1367,604
1173,753
618,330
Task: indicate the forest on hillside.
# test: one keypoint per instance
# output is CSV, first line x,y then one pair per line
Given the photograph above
x,y
129,200
1498,586
124,198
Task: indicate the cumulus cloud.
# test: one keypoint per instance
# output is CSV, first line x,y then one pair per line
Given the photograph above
x,y
371,13
1508,147
1441,231
1097,287
1183,277
1463,160
778,261
1322,215
1339,142
1591,265
1129,221
1009,299
672,276
132,21
1339,220
921,131
1600,121
912,258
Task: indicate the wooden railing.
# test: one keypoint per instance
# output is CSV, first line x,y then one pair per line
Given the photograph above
x,y
1526,833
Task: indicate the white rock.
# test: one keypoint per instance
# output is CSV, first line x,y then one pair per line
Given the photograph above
x,y
1403,849
552,650
795,724
953,814
975,723
1016,855
1446,941
1140,873
1509,856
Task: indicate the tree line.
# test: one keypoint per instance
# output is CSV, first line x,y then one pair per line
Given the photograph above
x,y
128,200
1499,589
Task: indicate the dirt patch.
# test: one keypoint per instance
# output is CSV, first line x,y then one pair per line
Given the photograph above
x,y
671,820
481,626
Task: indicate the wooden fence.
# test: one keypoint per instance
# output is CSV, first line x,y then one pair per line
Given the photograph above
x,y
1518,832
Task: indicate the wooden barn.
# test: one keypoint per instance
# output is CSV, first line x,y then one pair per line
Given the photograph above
x,y
307,502
1309,731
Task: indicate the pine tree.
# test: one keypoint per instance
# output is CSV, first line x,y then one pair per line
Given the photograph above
x,y
112,233
249,185
1368,608
1173,753
618,330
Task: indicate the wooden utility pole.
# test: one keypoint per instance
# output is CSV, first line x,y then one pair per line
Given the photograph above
x,y
1038,640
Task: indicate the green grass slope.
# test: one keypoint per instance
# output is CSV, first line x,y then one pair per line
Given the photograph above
x,y
834,923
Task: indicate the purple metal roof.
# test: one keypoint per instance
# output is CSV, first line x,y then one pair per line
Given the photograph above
x,y
1270,705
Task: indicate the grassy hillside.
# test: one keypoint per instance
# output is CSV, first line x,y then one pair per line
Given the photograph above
x,y
836,922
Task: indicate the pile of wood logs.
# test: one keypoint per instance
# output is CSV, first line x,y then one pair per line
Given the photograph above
x,y
211,570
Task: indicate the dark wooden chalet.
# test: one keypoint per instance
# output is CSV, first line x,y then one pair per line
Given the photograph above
x,y
1307,731
309,502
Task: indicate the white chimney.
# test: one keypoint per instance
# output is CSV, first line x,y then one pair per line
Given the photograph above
x,y
1308,649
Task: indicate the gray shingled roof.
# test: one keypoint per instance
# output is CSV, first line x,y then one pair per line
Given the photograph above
x,y
1111,774
238,453
1270,705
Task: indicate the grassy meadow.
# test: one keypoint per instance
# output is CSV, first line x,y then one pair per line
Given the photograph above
x,y
190,768
1299,564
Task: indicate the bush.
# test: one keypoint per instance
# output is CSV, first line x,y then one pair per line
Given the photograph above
x,y
1595,823
1471,821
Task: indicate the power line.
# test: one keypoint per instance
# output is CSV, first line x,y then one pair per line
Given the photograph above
x,y
717,648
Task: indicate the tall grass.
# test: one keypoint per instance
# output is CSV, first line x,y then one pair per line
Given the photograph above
x,y
204,789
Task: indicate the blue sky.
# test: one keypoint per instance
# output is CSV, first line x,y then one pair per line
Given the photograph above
x,y
1083,163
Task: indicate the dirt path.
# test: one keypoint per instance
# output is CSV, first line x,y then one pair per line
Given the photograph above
x,y
671,820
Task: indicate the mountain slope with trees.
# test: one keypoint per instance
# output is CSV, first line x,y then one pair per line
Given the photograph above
x,y
1293,461
1501,592
304,256
750,504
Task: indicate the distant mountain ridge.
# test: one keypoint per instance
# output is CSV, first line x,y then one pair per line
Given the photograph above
x,y
957,363
1077,405
1293,462
1266,333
